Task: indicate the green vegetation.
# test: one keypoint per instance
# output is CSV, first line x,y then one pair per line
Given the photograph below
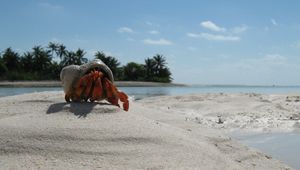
x,y
45,63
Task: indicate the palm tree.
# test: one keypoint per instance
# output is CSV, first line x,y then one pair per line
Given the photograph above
x,y
149,68
3,68
27,62
74,58
61,51
79,57
100,55
53,47
41,59
11,60
156,69
160,62
164,76
110,61
69,59
134,71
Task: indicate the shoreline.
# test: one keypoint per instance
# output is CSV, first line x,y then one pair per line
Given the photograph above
x,y
51,83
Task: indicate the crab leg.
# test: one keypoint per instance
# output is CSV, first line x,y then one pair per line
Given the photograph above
x,y
68,97
113,95
97,92
94,86
83,88
110,93
124,99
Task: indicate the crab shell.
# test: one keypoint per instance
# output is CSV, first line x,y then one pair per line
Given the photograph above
x,y
71,74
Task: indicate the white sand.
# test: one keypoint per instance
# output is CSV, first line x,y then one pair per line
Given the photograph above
x,y
240,111
41,131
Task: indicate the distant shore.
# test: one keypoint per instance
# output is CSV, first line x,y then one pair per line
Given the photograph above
x,y
58,84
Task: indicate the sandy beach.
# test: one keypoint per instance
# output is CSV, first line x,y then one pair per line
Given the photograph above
x,y
205,85
41,131
248,112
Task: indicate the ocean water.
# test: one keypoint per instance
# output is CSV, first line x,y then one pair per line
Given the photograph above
x,y
10,91
282,146
141,92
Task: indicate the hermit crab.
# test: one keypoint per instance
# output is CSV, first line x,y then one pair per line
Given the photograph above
x,y
92,81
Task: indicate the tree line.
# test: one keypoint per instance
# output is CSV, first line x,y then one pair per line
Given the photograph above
x,y
45,63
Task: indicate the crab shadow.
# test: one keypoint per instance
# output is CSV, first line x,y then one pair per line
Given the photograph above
x,y
77,108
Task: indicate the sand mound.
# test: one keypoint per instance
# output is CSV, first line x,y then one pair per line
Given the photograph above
x,y
40,130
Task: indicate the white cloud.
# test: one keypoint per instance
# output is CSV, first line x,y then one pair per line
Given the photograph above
x,y
49,6
152,24
265,69
130,39
212,26
157,42
239,29
193,35
214,37
266,62
149,23
266,28
192,48
125,30
153,32
273,21
224,33
274,59
296,44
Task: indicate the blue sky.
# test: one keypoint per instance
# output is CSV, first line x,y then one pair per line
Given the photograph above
x,y
204,42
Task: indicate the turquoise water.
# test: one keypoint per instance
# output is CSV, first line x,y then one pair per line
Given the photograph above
x,y
9,91
141,92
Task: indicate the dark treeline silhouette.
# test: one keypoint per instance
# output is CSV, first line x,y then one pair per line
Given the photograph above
x,y
45,63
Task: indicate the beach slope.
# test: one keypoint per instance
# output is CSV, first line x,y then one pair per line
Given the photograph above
x,y
40,130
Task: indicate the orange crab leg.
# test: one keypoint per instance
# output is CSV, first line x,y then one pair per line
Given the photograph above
x,y
85,86
113,95
124,99
110,93
95,86
97,91
82,88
